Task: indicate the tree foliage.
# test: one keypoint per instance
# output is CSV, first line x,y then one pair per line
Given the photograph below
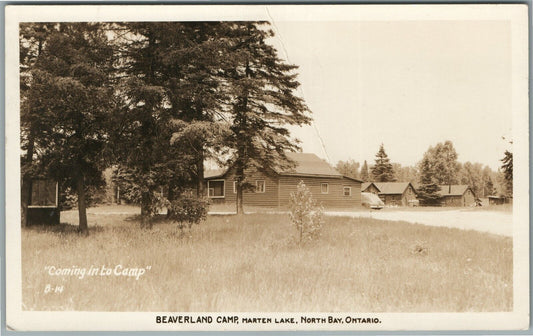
x,y
304,213
507,168
263,102
155,100
66,105
348,168
364,172
382,170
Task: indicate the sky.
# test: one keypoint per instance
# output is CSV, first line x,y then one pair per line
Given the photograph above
x,y
406,84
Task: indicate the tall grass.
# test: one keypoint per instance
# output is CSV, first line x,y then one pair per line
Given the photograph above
x,y
253,263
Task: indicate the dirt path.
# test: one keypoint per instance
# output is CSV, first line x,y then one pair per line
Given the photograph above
x,y
496,222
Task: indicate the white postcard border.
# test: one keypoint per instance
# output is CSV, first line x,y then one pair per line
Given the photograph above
x,y
31,320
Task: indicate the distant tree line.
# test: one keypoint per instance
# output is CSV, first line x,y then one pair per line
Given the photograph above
x,y
155,101
439,166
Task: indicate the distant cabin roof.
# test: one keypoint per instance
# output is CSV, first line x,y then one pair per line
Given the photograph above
x,y
456,190
307,164
392,188
367,184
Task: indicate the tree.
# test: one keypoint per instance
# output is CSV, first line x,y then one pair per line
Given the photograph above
x,y
444,161
439,166
405,174
471,174
263,103
428,191
488,184
173,106
364,172
382,170
33,38
507,168
71,83
348,168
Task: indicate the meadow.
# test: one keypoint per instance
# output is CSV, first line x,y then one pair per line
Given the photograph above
x,y
254,263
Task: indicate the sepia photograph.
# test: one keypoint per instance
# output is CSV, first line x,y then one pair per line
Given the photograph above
x,y
273,167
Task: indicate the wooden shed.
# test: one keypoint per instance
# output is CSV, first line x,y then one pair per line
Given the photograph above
x,y
327,185
457,195
43,207
396,193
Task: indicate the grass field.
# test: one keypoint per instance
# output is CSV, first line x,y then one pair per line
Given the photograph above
x,y
252,263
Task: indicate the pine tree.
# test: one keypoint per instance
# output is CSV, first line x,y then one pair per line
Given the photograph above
x,y
174,102
364,172
70,81
382,170
507,168
428,191
264,102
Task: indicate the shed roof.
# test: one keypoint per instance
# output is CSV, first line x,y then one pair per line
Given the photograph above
x,y
456,189
392,188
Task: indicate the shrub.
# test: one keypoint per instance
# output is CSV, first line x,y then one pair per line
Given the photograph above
x,y
305,214
188,210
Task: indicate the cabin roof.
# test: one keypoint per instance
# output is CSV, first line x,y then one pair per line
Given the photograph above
x,y
367,184
307,164
456,190
391,188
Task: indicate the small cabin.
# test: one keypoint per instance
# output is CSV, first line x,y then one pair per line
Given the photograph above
x,y
457,195
43,207
397,193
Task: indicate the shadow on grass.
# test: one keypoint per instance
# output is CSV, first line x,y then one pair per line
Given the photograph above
x,y
157,219
62,228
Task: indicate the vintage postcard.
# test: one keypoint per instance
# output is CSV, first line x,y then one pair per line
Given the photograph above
x,y
267,167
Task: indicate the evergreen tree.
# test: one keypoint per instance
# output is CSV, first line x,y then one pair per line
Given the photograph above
x,y
507,168
364,172
33,39
382,170
428,191
69,87
263,103
174,100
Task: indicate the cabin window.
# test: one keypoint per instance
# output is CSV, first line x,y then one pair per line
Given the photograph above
x,y
234,187
260,186
215,188
43,193
324,188
347,191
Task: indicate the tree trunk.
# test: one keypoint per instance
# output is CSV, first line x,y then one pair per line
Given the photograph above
x,y
200,174
240,206
82,206
146,222
25,199
26,181
240,179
